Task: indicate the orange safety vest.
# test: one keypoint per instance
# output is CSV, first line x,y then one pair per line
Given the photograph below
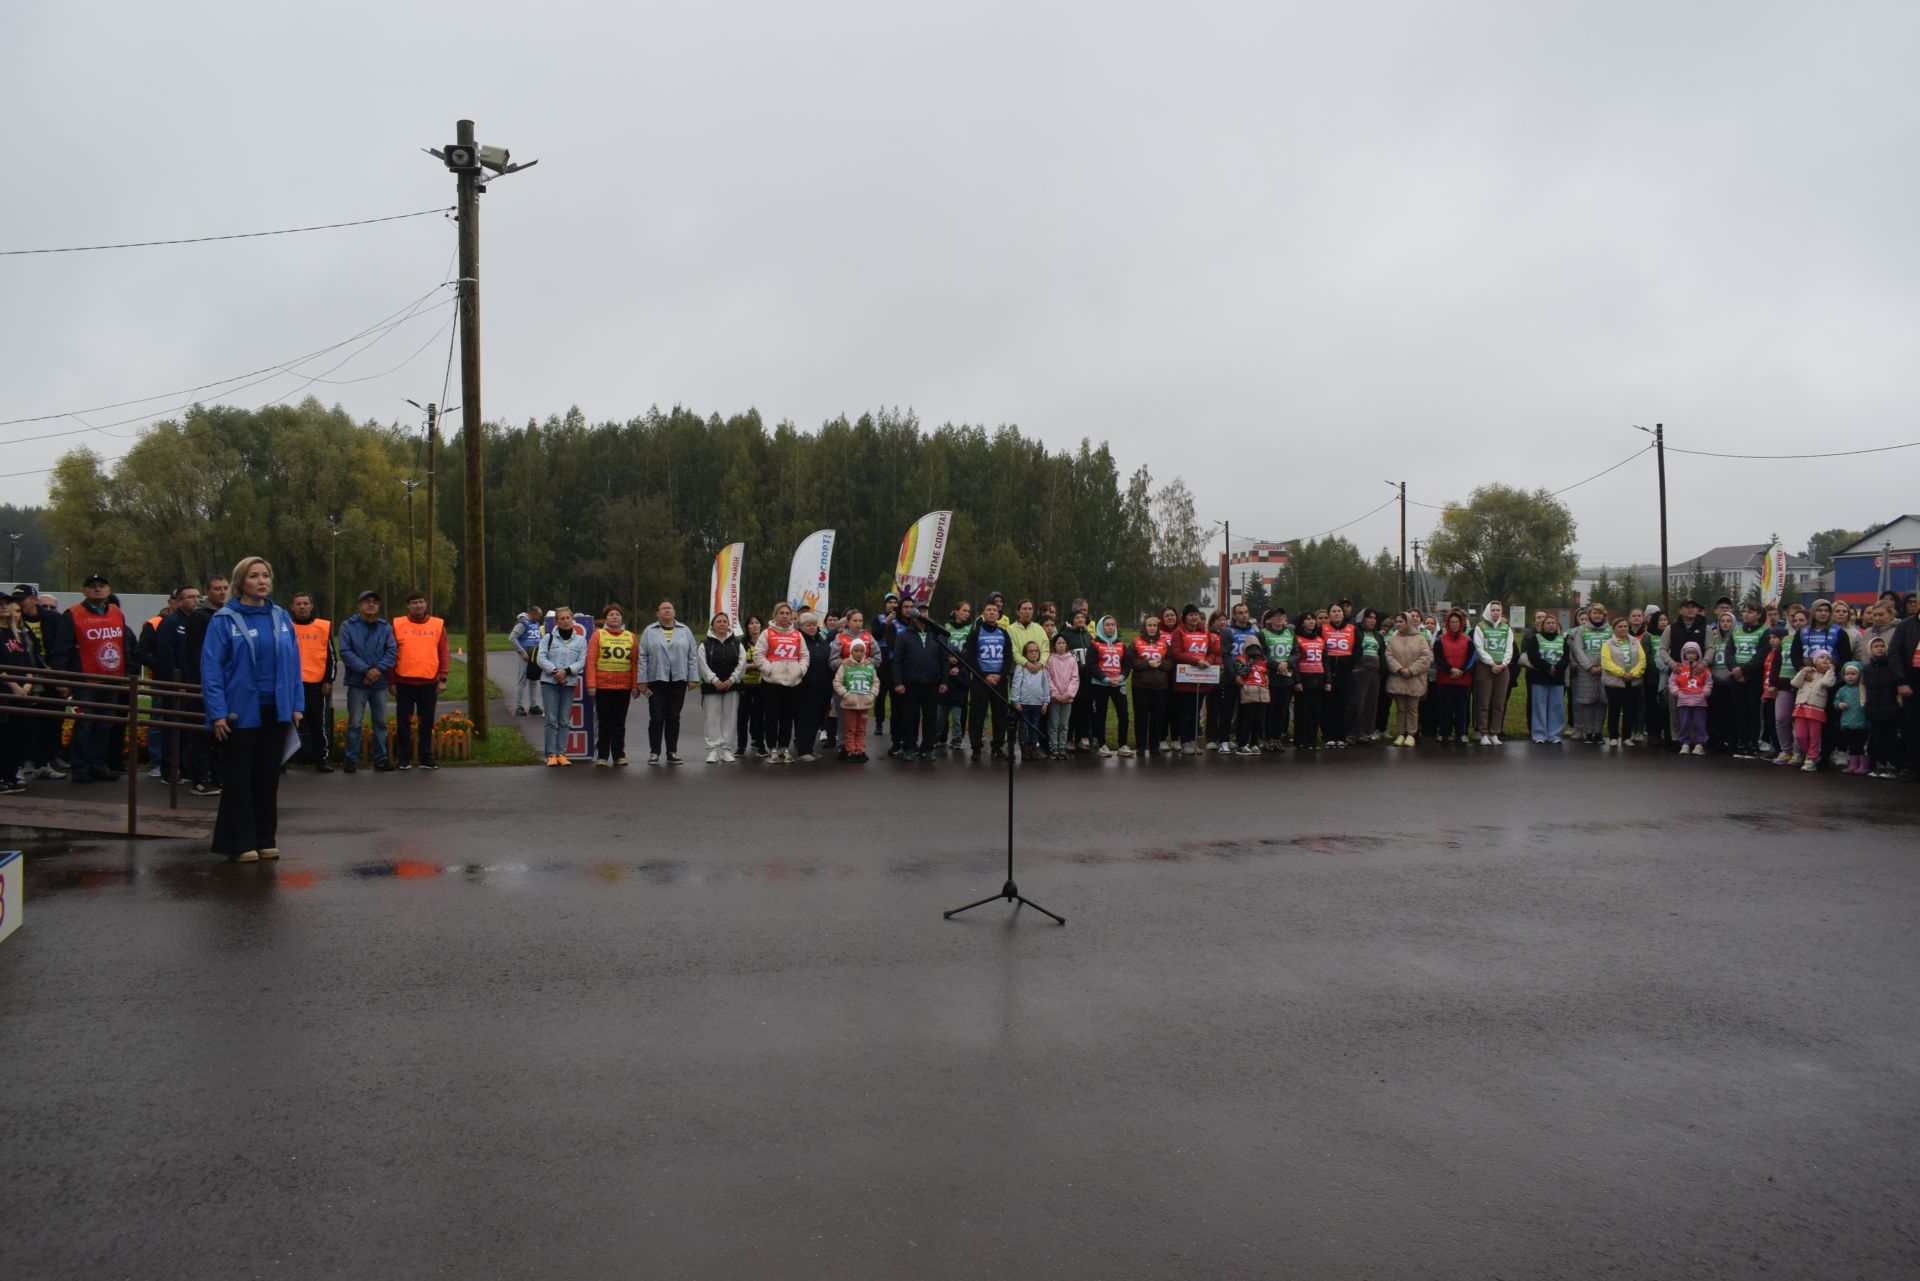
x,y
419,645
314,638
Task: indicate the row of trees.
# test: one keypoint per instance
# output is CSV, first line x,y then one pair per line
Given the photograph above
x,y
635,510
589,513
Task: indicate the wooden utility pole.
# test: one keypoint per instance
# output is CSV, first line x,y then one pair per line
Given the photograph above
x,y
412,574
1660,457
1226,564
474,553
1403,546
333,578
433,447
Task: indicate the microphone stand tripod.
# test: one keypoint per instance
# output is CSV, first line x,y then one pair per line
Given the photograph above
x,y
1010,892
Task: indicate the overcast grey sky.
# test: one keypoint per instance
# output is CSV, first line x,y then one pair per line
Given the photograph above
x,y
1288,251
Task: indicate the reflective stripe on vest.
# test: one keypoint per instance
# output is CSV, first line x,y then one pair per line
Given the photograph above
x,y
313,639
419,645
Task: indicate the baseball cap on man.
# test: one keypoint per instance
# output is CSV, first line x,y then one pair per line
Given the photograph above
x,y
91,579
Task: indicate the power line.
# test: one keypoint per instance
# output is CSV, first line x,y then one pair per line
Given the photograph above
x,y
1597,475
222,382
240,235
1336,529
1838,453
277,371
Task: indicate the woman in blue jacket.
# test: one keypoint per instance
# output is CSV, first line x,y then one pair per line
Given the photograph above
x,y
250,681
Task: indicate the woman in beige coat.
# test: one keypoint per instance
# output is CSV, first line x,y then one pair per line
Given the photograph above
x,y
1409,658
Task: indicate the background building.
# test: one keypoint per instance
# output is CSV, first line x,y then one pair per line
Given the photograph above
x,y
1737,567
1882,560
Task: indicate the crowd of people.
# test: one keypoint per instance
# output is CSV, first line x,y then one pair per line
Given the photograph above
x,y
1811,686
1804,685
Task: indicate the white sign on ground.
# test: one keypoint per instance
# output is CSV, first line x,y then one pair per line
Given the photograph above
x,y
13,892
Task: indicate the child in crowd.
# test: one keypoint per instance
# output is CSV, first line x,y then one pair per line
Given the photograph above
x,y
1691,686
1250,669
1063,686
1777,696
1030,699
1849,701
1882,685
854,682
1812,686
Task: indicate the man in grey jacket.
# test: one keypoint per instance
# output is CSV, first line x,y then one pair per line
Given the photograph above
x,y
668,665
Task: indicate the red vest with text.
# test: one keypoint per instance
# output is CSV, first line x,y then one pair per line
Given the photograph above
x,y
783,647
101,640
1256,674
845,641
1311,652
1339,641
1109,656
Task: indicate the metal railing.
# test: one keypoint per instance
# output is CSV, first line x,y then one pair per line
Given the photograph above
x,y
91,699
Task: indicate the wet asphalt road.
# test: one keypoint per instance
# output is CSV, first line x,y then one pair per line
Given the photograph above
x,y
1519,1013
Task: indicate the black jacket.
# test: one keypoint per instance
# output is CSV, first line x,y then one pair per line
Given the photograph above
x,y
170,647
818,682
1900,651
57,649
196,638
919,656
1538,669
1882,684
723,658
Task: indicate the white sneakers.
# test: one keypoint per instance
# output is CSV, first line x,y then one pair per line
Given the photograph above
x,y
1106,751
1226,749
713,758
727,757
1126,751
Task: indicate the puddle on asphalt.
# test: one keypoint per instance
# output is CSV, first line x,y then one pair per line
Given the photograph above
x,y
55,868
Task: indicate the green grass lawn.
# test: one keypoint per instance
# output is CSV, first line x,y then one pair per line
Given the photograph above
x,y
457,683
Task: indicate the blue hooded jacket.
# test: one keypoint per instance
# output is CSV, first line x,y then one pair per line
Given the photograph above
x,y
230,661
365,646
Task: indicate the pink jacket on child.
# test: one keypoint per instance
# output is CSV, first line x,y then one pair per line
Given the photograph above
x,y
1063,677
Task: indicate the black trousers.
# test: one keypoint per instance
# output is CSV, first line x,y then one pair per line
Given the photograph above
x,y
663,716
1720,716
809,713
1307,702
1223,709
1882,739
13,743
1456,706
1655,718
749,723
1623,711
1253,718
1083,723
1183,711
249,817
982,704
1334,708
411,700
916,717
1912,730
1149,719
1277,713
610,707
1096,724
1746,714
884,671
316,735
782,701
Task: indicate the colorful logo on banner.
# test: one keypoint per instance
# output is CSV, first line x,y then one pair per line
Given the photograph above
x,y
1773,575
807,578
723,596
921,552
